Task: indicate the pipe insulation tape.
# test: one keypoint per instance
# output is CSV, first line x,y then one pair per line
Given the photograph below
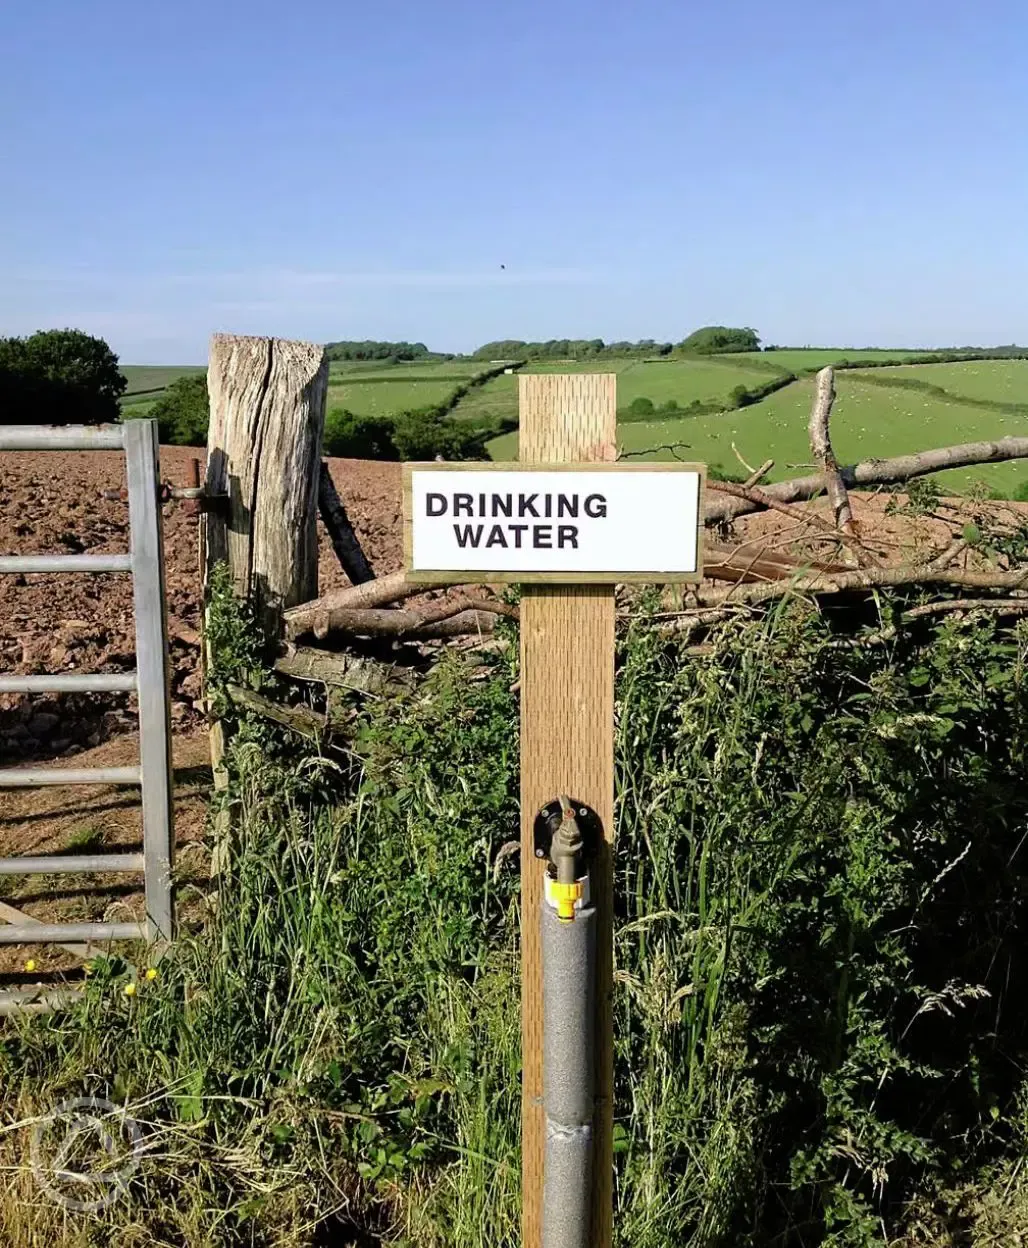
x,y
569,1024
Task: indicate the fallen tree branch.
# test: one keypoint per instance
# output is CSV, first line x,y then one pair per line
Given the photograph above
x,y
864,578
875,472
307,723
759,473
346,671
329,614
764,498
953,551
376,593
749,467
450,621
999,606
821,445
340,531
763,563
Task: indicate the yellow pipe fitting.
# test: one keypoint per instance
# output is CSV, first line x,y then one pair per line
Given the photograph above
x,y
566,895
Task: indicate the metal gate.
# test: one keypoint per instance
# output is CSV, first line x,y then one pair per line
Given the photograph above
x,y
150,682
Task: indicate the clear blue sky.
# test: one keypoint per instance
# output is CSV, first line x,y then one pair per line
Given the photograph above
x,y
838,173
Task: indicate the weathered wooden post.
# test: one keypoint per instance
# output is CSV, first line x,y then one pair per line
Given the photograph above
x,y
568,524
267,399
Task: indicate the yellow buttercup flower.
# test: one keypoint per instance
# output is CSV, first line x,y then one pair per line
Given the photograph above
x,y
151,973
130,990
30,965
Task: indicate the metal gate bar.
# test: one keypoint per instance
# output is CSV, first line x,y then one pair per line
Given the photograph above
x,y
138,439
116,682
142,471
62,437
45,933
29,777
83,864
37,1000
65,563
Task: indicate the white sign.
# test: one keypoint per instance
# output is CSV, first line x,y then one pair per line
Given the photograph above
x,y
584,522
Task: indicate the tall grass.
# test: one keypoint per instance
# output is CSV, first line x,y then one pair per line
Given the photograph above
x,y
819,931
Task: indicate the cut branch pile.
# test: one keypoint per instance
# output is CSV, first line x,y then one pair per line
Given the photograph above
x,y
751,573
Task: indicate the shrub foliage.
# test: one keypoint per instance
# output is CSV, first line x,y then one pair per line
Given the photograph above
x,y
820,931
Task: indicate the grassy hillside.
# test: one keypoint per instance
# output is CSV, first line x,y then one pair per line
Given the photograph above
x,y
389,389
871,419
796,359
150,378
662,381
1004,381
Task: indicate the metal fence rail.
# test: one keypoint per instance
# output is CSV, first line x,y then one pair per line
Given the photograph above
x,y
116,682
62,437
80,863
65,563
145,562
44,933
29,777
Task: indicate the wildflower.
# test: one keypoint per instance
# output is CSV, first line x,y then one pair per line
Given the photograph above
x,y
151,973
30,965
130,990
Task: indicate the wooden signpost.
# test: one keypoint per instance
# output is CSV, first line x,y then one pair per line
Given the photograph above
x,y
568,523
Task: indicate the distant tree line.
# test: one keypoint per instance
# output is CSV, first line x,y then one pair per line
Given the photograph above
x,y
567,349
390,352
719,340
59,377
711,340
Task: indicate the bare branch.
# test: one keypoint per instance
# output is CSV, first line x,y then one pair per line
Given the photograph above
x,y
349,671
821,445
671,447
762,563
765,499
953,551
998,606
306,722
760,473
344,540
876,472
449,620
749,467
865,578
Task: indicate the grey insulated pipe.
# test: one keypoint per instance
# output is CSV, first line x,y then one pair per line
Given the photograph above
x,y
569,977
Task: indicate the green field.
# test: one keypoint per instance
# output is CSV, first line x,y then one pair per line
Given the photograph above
x,y
432,370
150,378
796,359
868,421
662,381
370,388
385,397
1004,381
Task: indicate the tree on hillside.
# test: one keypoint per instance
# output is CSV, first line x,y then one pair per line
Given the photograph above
x,y
719,339
391,352
183,411
59,377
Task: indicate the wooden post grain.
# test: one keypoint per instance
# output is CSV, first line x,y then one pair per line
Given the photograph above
x,y
267,398
567,746
264,451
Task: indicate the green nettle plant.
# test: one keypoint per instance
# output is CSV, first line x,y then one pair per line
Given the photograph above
x,y
820,922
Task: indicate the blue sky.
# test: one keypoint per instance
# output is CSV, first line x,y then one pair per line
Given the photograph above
x,y
832,173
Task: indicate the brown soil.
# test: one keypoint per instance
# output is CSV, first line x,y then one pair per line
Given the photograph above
x,y
52,503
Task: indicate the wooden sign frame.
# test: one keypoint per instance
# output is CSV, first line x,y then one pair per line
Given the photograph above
x,y
449,577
